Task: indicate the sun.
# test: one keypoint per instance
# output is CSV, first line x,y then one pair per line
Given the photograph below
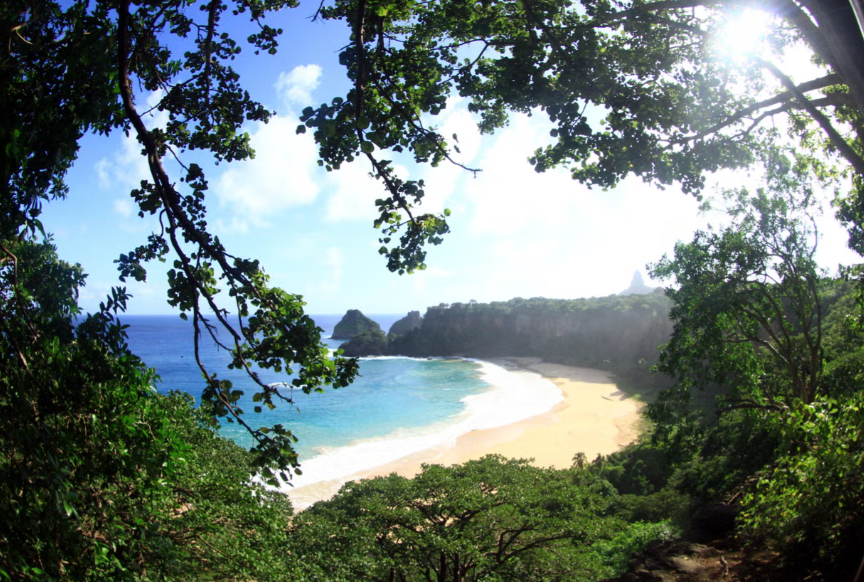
x,y
743,32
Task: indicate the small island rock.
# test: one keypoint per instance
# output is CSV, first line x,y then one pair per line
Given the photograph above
x,y
352,324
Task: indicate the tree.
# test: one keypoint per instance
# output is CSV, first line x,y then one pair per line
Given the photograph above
x,y
638,88
670,112
98,475
808,503
746,301
101,478
47,105
491,519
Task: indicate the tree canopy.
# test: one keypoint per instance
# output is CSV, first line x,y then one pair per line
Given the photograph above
x,y
490,519
102,479
747,303
631,88
121,49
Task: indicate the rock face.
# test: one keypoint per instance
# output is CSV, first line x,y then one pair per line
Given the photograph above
x,y
684,561
637,286
352,324
407,324
616,333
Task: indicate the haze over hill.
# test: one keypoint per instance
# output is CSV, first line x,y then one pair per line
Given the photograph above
x,y
618,332
638,286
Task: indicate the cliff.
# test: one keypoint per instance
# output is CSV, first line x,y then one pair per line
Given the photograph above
x,y
352,324
618,333
407,324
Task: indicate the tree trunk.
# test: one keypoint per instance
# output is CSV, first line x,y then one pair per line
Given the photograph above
x,y
839,26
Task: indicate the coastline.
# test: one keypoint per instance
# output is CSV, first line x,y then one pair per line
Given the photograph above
x,y
594,418
591,416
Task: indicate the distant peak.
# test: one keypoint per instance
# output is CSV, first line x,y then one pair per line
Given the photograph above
x,y
637,286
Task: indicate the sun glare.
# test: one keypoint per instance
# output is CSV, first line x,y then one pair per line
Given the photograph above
x,y
743,32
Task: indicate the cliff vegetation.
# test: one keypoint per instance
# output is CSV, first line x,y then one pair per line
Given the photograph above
x,y
618,333
354,323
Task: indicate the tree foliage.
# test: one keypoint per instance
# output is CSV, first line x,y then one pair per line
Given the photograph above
x,y
101,478
809,502
632,88
123,52
747,303
491,519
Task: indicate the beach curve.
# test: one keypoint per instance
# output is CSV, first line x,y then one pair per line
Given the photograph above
x,y
590,416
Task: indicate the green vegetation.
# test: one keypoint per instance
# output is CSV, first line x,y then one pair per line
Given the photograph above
x,y
369,342
354,323
618,333
752,415
102,479
407,324
647,89
74,68
492,519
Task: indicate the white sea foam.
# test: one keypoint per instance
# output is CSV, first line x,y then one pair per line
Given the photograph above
x,y
397,358
512,396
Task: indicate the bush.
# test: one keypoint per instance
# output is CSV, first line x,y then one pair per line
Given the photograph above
x,y
844,375
810,504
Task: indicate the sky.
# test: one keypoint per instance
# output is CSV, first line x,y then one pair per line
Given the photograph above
x,y
515,233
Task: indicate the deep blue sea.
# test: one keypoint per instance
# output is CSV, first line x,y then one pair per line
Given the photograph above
x,y
392,396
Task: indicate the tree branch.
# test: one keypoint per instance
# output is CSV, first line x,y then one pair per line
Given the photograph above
x,y
834,136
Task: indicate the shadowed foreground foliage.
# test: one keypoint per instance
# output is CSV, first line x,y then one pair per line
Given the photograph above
x,y
101,477
492,519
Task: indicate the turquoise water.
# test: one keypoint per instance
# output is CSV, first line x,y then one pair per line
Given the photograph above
x,y
392,394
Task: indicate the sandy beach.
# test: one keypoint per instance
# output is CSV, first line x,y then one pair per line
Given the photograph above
x,y
594,417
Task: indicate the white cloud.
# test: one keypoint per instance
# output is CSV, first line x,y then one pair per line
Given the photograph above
x,y
443,182
148,297
421,279
509,195
334,260
155,118
233,225
296,87
355,192
281,176
125,169
124,207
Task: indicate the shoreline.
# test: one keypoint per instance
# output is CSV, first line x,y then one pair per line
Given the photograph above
x,y
592,417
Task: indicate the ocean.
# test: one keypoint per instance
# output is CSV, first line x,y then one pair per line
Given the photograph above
x,y
396,407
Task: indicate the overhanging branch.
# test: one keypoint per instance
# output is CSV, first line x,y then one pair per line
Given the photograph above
x,y
834,136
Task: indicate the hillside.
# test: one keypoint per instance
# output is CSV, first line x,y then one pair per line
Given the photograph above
x,y
354,323
619,333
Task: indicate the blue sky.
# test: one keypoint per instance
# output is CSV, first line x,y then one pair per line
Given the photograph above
x,y
514,232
